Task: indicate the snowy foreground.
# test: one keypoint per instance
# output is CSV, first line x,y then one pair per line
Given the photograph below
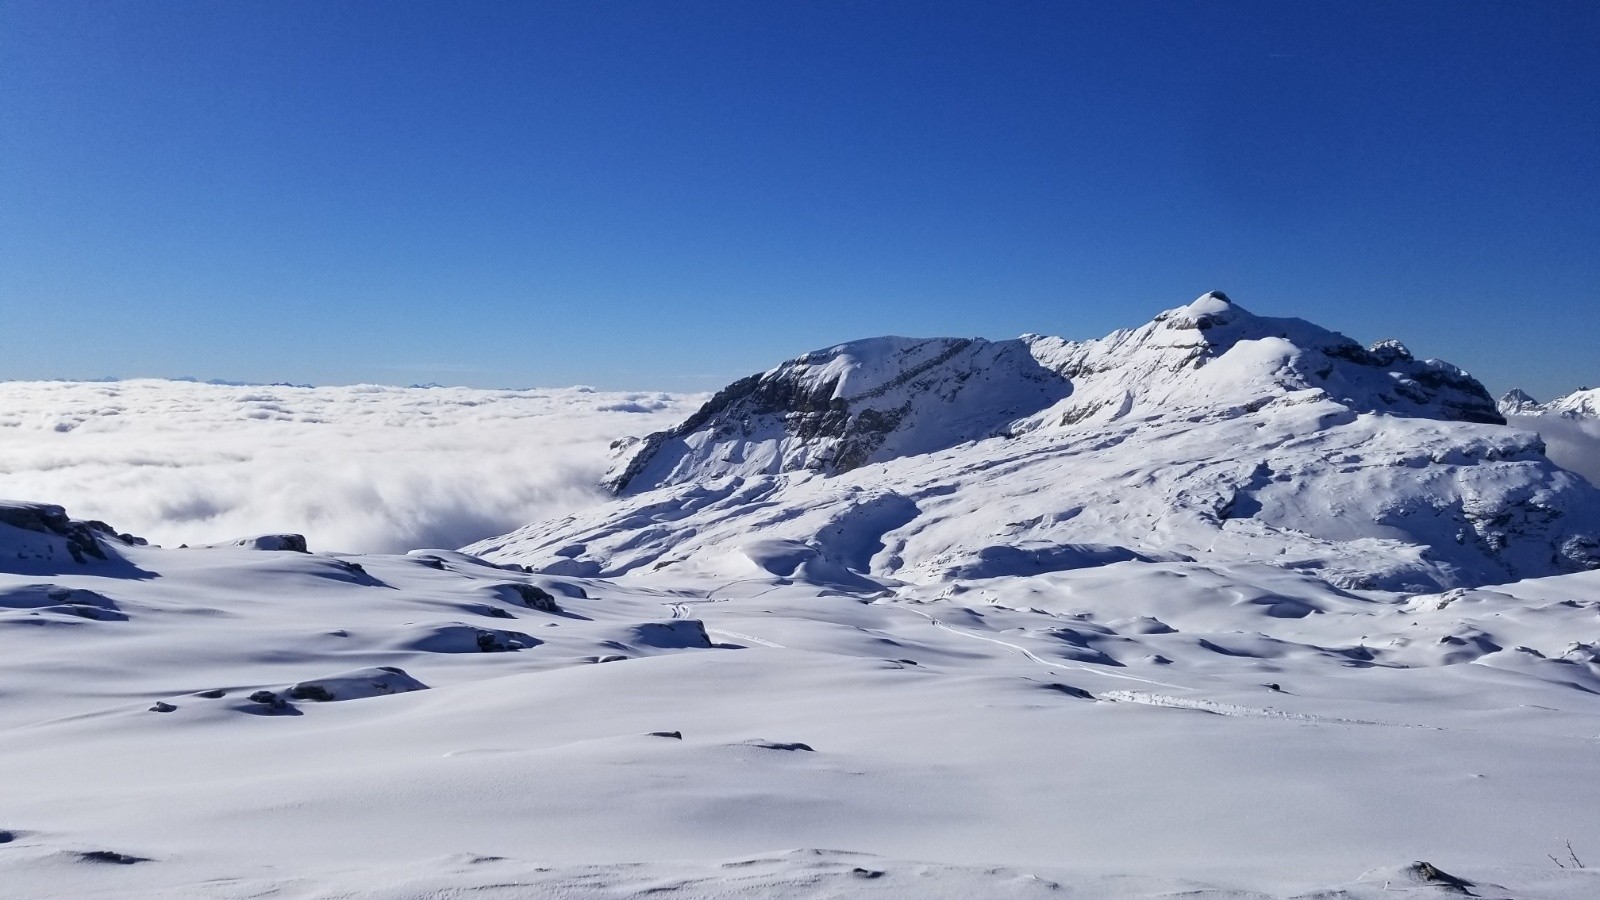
x,y
986,629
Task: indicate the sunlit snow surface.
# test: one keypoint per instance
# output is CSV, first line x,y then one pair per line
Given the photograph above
x,y
1180,636
1130,730
358,468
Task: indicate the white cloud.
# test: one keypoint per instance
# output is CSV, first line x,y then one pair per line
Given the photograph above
x,y
358,468
1570,443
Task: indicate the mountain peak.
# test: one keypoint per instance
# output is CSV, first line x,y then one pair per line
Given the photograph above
x,y
833,410
1518,402
1208,310
1584,403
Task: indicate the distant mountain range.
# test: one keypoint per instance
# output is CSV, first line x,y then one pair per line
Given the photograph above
x,y
1583,403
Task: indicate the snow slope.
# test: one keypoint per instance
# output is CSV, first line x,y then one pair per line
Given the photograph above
x,y
1137,729
1209,432
1222,606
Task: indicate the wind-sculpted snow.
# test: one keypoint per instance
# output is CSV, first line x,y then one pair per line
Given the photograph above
x,y
353,468
1208,433
246,721
1223,606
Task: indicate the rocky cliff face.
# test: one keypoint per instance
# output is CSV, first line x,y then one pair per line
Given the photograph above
x,y
838,409
834,410
44,531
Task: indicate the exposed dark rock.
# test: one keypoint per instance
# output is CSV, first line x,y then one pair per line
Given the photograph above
x,y
111,856
162,707
83,538
359,684
781,745
809,402
212,694
1069,690
270,700
534,597
678,735
503,641
315,692
866,873
1432,874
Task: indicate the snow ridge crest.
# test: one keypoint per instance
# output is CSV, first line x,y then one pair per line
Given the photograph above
x,y
836,409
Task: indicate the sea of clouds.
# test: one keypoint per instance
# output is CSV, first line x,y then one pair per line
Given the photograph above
x,y
360,468
1570,443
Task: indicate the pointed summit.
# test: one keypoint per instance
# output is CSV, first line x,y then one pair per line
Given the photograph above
x,y
1518,402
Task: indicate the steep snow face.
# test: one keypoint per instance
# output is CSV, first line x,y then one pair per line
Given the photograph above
x,y
1207,433
840,408
1518,402
1584,404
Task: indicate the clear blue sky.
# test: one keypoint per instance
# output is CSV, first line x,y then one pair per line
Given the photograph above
x,y
672,194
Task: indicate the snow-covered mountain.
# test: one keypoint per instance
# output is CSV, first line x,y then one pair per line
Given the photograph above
x,y
1583,403
1162,614
874,400
1207,432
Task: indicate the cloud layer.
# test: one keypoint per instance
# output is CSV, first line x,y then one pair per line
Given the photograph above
x,y
357,468
1570,443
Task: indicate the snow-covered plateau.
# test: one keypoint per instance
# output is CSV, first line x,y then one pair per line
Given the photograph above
x,y
1220,606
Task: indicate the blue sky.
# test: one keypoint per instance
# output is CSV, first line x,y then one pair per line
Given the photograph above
x,y
672,194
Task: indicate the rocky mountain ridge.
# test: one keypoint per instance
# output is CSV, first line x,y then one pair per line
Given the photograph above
x,y
1584,403
867,401
1207,432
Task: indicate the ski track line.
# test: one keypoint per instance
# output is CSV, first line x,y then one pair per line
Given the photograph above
x,y
746,637
1234,709
681,611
